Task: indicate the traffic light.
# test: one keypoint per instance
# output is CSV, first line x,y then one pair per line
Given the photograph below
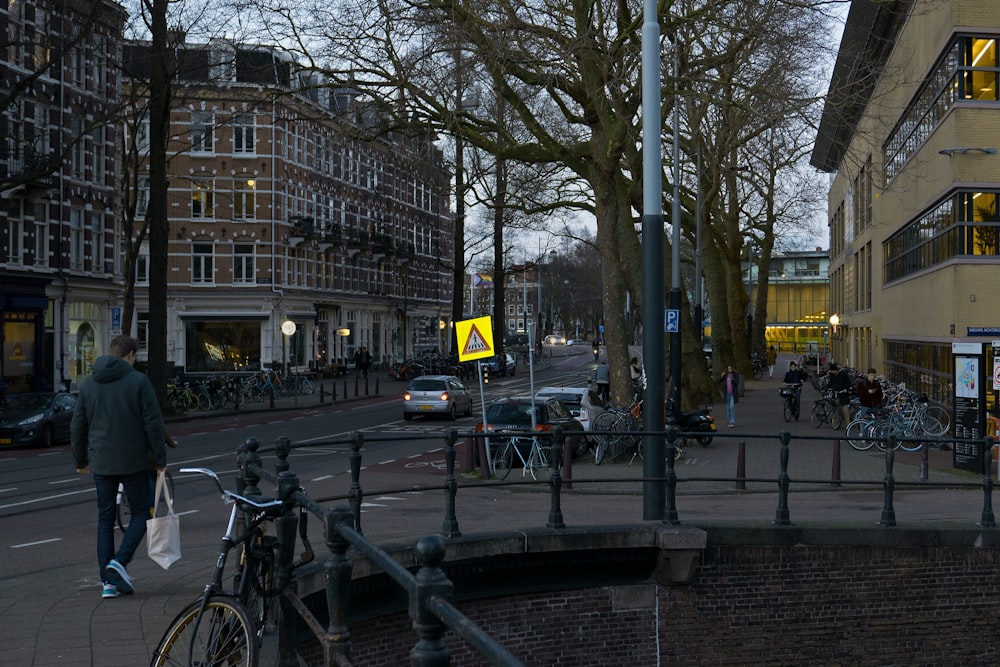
x,y
485,371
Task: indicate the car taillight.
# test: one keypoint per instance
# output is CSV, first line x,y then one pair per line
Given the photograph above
x,y
543,427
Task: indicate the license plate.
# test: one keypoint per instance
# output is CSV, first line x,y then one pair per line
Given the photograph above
x,y
5,441
425,407
713,426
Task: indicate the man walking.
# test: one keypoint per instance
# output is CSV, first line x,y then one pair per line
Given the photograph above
x,y
117,434
842,388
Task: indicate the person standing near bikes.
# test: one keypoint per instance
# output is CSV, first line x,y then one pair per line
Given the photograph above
x,y
796,377
869,393
602,377
842,388
116,434
730,383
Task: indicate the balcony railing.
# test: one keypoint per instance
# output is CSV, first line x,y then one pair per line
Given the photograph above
x,y
26,167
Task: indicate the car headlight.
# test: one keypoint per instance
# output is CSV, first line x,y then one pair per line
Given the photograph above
x,y
33,419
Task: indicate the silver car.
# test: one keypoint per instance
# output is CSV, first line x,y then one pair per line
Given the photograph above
x,y
437,395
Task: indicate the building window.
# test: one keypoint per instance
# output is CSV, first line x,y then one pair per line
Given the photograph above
x,y
15,240
142,265
244,199
202,263
141,129
142,330
966,223
244,264
97,242
202,134
966,71
244,133
76,239
202,198
141,197
79,149
99,149
41,241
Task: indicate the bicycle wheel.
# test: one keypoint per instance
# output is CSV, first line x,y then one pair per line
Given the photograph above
x,y
503,459
857,430
538,462
306,387
255,582
819,414
935,421
789,409
603,423
836,417
125,509
221,635
205,402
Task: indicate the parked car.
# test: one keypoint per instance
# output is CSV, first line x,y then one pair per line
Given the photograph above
x,y
513,413
576,341
437,395
38,419
493,364
583,402
553,339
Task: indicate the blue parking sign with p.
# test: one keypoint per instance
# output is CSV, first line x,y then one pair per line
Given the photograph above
x,y
672,320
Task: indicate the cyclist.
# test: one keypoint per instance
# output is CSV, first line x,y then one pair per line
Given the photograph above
x,y
796,377
870,393
842,387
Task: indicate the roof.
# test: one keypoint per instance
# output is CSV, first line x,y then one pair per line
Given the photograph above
x,y
869,36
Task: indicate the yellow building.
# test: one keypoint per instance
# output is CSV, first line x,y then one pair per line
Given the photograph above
x,y
911,128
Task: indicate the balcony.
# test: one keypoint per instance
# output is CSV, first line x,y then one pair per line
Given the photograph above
x,y
404,253
383,245
330,237
357,241
302,229
22,170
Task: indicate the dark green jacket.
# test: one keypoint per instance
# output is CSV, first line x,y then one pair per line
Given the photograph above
x,y
117,426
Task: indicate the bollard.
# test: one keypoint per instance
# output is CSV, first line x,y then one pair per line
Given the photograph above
x,y
741,465
270,393
366,385
333,391
450,526
924,463
469,455
483,447
835,472
376,386
345,390
355,386
322,393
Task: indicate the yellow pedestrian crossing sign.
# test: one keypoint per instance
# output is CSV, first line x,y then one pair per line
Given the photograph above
x,y
475,338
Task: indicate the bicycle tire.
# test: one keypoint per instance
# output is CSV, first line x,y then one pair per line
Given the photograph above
x,y
819,414
306,387
502,460
836,418
221,635
255,583
205,402
789,409
538,464
857,430
935,421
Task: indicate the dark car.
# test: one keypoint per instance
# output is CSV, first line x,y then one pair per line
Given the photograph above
x,y
513,413
495,368
36,419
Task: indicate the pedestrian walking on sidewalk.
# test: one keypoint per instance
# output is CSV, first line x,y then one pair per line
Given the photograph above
x,y
602,376
117,435
730,383
772,360
843,389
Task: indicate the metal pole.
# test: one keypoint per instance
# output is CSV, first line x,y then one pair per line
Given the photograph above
x,y
699,306
654,464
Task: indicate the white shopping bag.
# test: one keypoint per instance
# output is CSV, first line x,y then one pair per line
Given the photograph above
x,y
163,534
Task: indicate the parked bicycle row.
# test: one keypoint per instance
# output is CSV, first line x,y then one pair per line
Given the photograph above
x,y
222,392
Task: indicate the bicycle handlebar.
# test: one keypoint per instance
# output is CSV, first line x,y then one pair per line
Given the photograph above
x,y
229,496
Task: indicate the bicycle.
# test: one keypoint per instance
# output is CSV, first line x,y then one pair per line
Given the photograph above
x,y
227,628
124,509
537,459
827,410
790,397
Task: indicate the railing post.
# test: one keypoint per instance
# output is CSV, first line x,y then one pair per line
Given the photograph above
x,y
741,465
987,520
282,448
250,476
450,527
925,465
285,533
781,516
339,571
241,458
567,461
555,479
835,471
431,582
670,514
355,495
888,513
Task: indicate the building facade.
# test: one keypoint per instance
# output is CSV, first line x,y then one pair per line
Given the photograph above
x,y
798,294
285,205
912,130
58,170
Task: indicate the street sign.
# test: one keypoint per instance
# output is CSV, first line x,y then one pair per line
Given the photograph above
x,y
475,338
671,320
116,320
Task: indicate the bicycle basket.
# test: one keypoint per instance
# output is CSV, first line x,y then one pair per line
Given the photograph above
x,y
786,392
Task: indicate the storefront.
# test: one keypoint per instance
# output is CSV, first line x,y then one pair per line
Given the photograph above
x,y
222,343
25,365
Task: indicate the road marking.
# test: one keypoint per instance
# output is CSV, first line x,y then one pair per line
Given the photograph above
x,y
386,462
321,478
39,500
51,454
371,505
389,498
13,488
35,544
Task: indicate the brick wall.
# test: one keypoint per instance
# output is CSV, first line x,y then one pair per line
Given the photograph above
x,y
761,605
